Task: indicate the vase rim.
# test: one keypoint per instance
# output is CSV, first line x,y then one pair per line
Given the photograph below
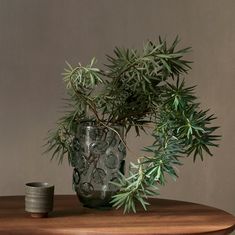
x,y
90,125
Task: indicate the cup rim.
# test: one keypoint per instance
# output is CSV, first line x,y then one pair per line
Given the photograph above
x,y
39,185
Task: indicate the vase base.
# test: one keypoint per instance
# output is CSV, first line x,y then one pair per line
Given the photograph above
x,y
101,208
96,202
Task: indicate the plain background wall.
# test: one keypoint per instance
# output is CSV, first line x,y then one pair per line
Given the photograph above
x,y
37,36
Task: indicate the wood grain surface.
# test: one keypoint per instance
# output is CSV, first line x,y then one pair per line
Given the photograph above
x,y
69,217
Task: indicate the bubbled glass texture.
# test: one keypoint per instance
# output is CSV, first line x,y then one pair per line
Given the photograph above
x,y
98,158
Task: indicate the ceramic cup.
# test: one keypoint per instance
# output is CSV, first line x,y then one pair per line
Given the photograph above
x,y
39,199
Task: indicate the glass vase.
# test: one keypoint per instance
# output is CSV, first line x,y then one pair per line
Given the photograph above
x,y
99,156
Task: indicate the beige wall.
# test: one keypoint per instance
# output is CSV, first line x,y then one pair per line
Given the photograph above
x,y
36,37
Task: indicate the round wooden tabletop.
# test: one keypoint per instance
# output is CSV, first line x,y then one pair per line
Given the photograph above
x,y
69,217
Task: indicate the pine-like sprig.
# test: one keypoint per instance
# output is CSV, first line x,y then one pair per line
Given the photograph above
x,y
136,89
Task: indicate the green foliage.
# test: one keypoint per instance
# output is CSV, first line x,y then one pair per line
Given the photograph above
x,y
138,89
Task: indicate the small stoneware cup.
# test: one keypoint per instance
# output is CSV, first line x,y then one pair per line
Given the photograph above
x,y
39,199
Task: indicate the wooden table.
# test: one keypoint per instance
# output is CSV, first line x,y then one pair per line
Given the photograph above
x,y
69,217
